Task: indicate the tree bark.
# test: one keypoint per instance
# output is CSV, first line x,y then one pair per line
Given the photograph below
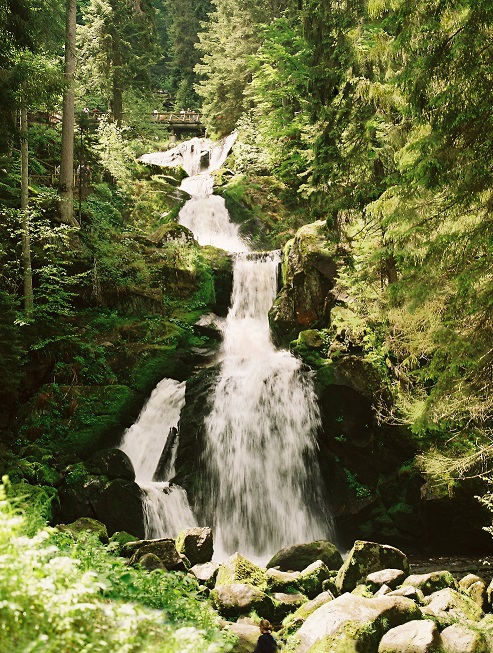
x,y
66,181
117,84
26,238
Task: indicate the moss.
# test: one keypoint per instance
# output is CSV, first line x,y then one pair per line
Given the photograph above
x,y
240,570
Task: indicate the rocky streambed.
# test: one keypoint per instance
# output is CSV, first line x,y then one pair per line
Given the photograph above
x,y
371,602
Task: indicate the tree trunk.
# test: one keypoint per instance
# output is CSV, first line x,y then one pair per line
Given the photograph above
x,y
26,239
66,182
117,85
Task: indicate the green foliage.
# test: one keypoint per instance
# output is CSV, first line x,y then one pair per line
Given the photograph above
x,y
57,594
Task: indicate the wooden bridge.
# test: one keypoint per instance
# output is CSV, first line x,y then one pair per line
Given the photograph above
x,y
181,122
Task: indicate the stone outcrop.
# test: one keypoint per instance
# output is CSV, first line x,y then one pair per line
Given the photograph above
x,y
310,271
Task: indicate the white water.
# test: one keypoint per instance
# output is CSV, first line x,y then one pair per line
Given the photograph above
x,y
262,485
166,509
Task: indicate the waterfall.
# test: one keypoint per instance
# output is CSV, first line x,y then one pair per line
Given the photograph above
x,y
262,486
165,507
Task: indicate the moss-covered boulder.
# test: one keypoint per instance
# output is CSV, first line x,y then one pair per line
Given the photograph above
x,y
353,622
475,587
237,569
120,538
310,270
365,558
84,525
285,604
196,544
299,556
447,606
235,599
460,638
389,577
282,581
163,548
432,582
150,562
293,621
312,578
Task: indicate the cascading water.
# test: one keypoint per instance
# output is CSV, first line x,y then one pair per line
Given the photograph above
x,y
262,484
166,509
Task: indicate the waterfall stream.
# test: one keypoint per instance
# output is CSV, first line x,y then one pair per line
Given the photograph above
x,y
262,486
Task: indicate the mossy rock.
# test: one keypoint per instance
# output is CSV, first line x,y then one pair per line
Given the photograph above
x,y
84,525
237,569
299,556
365,558
235,599
120,538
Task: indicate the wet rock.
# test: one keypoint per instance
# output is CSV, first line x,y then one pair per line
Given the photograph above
x,y
354,622
448,606
113,463
237,569
206,573
241,598
411,637
299,556
390,577
366,558
196,544
458,638
119,506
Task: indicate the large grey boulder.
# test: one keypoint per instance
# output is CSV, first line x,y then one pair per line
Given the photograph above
x,y
196,545
390,577
448,606
299,556
354,621
206,573
293,621
247,633
279,581
458,638
411,637
366,558
239,599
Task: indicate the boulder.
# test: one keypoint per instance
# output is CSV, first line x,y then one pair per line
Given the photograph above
x,y
206,573
448,606
247,633
293,621
312,578
458,638
119,506
237,569
355,622
280,581
150,561
475,588
409,591
241,598
411,637
164,549
120,538
84,525
113,463
390,577
196,544
285,604
366,558
299,556
485,626
432,582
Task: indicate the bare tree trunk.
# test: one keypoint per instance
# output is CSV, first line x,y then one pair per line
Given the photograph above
x,y
117,85
26,239
68,123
